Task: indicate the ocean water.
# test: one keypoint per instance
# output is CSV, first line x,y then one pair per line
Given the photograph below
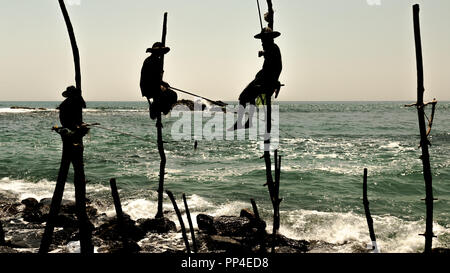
x,y
324,147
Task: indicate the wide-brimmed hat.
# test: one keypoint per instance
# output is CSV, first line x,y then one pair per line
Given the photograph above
x,y
158,48
71,91
267,33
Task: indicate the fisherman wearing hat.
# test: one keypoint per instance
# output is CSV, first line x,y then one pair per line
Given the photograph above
x,y
70,110
266,80
152,85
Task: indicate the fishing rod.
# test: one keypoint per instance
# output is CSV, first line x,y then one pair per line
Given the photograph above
x,y
259,13
219,103
97,125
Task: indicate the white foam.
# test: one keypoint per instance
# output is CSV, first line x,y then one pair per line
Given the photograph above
x,y
394,235
42,189
23,110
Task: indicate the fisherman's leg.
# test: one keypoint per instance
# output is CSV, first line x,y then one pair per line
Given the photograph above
x,y
251,112
247,96
85,226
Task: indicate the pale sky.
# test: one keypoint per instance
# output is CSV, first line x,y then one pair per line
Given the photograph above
x,y
332,49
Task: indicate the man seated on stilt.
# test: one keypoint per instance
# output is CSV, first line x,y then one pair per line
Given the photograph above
x,y
152,85
266,80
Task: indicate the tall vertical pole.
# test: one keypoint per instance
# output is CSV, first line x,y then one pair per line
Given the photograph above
x,y
423,134
368,216
159,126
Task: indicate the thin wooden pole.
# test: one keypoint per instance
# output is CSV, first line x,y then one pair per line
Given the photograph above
x,y
180,219
270,14
80,200
191,226
73,42
255,208
368,216
423,134
119,212
2,235
260,231
57,197
160,141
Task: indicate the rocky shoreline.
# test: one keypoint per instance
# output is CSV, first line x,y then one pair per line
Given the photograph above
x,y
23,224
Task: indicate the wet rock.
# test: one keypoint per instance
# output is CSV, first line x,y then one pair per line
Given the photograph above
x,y
32,213
259,224
229,225
247,214
439,250
7,249
120,247
228,244
205,223
158,225
27,239
110,230
232,226
299,246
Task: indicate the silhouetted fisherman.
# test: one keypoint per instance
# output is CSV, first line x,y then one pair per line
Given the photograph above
x,y
152,85
70,110
266,80
72,132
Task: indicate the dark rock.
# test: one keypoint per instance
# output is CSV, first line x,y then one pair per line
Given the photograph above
x,y
91,211
158,225
66,221
228,244
62,237
247,214
205,223
7,249
30,202
7,210
120,247
439,250
259,224
190,104
31,213
232,226
110,230
27,239
226,225
67,206
283,241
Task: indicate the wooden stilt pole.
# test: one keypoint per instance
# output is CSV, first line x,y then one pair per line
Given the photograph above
x,y
191,226
255,208
180,219
423,134
160,141
72,152
119,212
2,235
260,229
368,216
57,197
